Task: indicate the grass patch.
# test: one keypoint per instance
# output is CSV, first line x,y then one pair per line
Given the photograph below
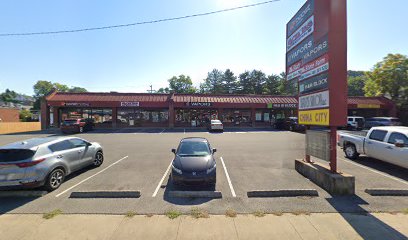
x,y
52,214
259,213
199,213
173,214
297,213
405,211
130,214
230,213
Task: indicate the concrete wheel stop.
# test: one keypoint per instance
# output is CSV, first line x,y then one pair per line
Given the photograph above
x,y
333,183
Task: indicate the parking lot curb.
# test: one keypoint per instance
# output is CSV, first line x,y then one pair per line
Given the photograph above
x,y
195,194
106,194
386,192
283,193
22,193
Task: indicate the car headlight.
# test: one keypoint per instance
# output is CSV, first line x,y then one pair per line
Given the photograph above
x,y
176,170
211,169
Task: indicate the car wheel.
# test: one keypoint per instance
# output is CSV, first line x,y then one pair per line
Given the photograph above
x,y
54,179
291,128
351,151
98,159
81,129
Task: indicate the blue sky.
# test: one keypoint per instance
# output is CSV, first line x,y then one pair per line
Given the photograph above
x,y
130,59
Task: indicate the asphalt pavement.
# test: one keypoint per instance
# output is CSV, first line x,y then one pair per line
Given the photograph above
x,y
247,160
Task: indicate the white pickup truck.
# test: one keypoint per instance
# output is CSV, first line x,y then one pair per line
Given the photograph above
x,y
388,144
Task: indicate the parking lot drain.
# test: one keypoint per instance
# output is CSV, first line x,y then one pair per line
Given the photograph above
x,y
282,193
105,194
32,194
386,192
195,194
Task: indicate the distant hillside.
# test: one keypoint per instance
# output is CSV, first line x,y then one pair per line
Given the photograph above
x,y
351,73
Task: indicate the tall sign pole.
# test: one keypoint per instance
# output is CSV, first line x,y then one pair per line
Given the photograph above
x,y
317,59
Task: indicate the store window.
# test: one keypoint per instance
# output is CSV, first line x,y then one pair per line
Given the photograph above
x,y
236,117
136,117
262,115
96,114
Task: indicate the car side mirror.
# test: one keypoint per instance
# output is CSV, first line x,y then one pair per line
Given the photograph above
x,y
214,150
399,144
173,151
88,144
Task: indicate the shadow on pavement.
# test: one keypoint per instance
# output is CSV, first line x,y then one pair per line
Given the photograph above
x,y
364,223
185,201
385,167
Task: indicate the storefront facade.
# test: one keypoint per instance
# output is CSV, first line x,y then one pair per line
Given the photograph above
x,y
131,110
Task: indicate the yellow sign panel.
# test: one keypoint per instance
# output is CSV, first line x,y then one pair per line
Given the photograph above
x,y
368,106
314,117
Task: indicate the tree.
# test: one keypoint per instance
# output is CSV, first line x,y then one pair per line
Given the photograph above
x,y
77,90
8,96
351,73
258,80
272,85
163,90
181,84
245,84
213,83
389,77
25,115
287,87
356,85
229,82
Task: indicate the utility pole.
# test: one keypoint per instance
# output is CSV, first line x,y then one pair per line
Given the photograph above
x,y
151,89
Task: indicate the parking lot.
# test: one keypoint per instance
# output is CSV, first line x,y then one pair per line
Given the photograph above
x,y
247,160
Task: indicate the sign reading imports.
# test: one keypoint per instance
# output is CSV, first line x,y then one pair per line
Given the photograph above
x,y
314,117
129,104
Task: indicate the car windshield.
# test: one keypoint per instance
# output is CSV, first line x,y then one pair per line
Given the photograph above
x,y
14,155
69,122
193,149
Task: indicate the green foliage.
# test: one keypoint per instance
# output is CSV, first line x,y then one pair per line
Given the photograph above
x,y
389,77
173,214
163,90
8,96
213,83
52,214
356,85
229,82
77,90
352,73
181,84
25,115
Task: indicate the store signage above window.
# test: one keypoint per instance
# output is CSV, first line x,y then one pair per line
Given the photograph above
x,y
74,104
129,104
199,104
368,106
282,105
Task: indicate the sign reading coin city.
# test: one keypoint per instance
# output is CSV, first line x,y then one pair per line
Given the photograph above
x,y
316,59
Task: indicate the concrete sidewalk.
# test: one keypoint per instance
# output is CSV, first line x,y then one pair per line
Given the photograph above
x,y
287,226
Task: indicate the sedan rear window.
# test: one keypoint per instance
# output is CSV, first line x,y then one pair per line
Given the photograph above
x,y
69,122
14,155
193,149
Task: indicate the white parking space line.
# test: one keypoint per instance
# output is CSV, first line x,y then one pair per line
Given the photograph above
x,y
86,179
162,131
184,131
161,181
375,171
228,178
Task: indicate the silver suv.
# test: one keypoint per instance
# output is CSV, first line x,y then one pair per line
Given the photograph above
x,y
46,161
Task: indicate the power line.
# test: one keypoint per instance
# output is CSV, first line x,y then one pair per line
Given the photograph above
x,y
136,23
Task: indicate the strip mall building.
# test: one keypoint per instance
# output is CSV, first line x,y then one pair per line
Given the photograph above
x,y
127,110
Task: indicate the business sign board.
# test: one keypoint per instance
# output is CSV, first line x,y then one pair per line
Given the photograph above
x,y
76,104
368,106
129,104
199,104
314,101
318,117
314,83
282,105
316,58
303,32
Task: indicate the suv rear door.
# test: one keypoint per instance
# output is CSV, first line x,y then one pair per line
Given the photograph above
x,y
9,169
